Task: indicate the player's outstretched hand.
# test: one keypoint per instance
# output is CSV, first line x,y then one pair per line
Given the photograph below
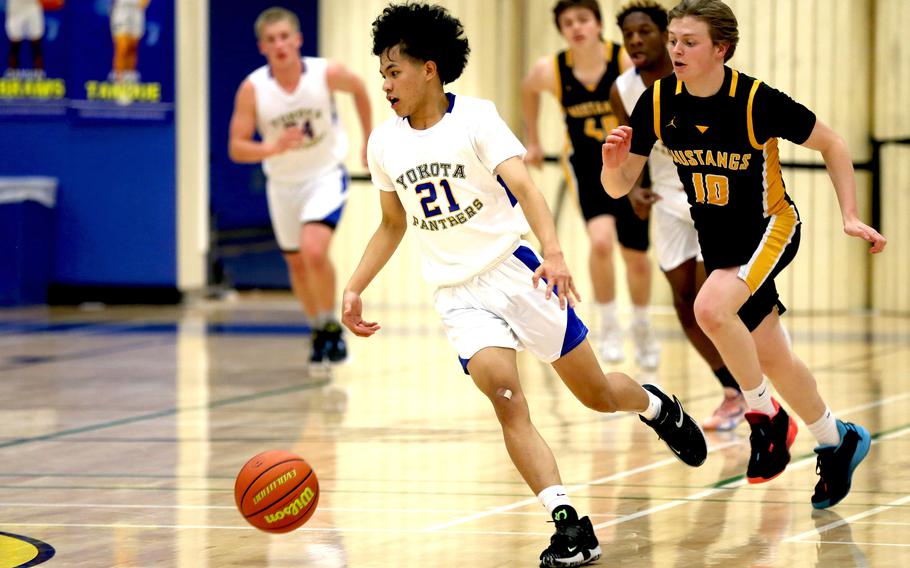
x,y
616,146
352,308
856,228
558,280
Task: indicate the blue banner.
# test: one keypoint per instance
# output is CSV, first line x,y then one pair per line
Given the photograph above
x,y
36,49
122,65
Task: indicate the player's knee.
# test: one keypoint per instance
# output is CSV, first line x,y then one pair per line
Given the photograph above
x,y
314,257
709,314
602,245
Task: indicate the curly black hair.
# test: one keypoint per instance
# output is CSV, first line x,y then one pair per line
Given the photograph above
x,y
650,8
425,32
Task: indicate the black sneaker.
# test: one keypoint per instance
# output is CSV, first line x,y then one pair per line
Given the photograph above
x,y
771,439
335,349
573,544
678,430
835,464
319,345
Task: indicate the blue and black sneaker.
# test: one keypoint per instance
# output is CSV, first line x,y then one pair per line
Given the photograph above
x,y
836,464
334,347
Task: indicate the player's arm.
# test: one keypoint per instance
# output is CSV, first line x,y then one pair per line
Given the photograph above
x,y
621,169
242,148
553,267
541,78
641,197
340,78
839,163
378,251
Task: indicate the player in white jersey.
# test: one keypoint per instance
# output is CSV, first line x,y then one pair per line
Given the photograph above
x,y
449,168
644,30
127,29
290,101
24,21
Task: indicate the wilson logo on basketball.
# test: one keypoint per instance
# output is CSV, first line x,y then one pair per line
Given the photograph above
x,y
274,485
294,508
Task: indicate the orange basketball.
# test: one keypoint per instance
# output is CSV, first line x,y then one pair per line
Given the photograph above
x,y
276,491
51,5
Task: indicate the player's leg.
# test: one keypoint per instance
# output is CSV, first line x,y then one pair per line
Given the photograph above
x,y
323,203
685,280
602,239
841,445
632,234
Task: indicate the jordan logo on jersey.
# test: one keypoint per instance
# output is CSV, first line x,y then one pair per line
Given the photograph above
x,y
672,123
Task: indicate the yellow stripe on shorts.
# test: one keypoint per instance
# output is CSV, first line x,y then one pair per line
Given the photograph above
x,y
778,235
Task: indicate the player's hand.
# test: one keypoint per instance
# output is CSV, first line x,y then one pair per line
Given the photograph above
x,y
291,137
616,147
558,280
534,155
351,310
642,199
856,228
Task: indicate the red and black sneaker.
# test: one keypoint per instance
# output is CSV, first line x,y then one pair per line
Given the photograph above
x,y
771,439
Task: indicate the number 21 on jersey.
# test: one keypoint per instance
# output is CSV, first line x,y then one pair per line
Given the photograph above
x,y
711,189
428,201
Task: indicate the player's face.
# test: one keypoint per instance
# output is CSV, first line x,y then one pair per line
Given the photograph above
x,y
579,26
643,40
404,80
280,42
691,49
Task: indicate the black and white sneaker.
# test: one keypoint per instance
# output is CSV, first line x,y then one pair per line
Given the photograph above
x,y
573,544
335,348
677,429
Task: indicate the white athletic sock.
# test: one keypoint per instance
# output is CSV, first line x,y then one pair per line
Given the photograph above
x,y
825,429
640,315
759,399
552,497
654,405
608,315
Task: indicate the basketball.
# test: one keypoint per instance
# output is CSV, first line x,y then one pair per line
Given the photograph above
x,y
276,491
51,5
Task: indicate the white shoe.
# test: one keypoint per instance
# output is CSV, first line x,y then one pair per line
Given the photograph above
x,y
611,345
647,351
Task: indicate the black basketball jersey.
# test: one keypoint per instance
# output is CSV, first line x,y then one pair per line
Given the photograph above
x,y
589,117
726,153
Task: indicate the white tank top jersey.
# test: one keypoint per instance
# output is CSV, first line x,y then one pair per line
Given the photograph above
x,y
311,107
465,219
664,178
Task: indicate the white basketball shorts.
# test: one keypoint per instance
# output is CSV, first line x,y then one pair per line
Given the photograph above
x,y
127,19
500,308
675,238
318,200
25,22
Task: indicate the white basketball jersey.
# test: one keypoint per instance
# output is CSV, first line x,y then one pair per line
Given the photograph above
x,y
311,108
664,178
465,220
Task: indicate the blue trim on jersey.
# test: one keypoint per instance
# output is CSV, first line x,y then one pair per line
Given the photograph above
x,y
345,179
527,257
464,364
512,198
451,98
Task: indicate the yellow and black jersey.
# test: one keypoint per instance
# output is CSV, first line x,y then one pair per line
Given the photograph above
x,y
589,117
725,148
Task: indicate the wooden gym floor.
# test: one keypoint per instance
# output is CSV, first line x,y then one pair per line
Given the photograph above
x,y
121,431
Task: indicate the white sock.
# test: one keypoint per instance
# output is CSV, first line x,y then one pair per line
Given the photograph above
x,y
654,405
825,429
608,315
640,315
552,497
759,399
322,318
